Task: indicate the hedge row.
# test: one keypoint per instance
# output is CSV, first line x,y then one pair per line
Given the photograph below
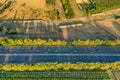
x,y
40,42
60,66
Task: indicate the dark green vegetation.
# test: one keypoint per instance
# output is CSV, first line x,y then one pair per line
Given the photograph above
x,y
6,30
49,2
98,6
67,9
60,66
54,75
40,42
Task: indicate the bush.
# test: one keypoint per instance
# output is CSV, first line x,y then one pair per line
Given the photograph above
x,y
5,29
50,2
67,9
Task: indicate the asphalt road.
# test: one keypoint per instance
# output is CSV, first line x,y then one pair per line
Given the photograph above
x,y
30,54
60,50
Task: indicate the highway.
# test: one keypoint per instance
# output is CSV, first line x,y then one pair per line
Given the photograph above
x,y
60,50
36,54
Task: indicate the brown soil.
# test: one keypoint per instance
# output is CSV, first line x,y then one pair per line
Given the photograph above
x,y
27,9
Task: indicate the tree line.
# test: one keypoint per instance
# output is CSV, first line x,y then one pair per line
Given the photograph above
x,y
60,66
5,41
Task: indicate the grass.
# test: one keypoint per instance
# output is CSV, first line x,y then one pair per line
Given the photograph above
x,y
98,6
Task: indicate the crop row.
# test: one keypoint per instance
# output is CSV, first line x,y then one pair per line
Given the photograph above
x,y
48,79
64,75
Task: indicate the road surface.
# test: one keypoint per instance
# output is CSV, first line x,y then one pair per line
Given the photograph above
x,y
35,54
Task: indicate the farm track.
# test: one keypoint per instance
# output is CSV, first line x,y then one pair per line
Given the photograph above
x,y
76,9
116,75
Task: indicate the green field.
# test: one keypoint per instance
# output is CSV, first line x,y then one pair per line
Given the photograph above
x,y
93,7
98,6
54,75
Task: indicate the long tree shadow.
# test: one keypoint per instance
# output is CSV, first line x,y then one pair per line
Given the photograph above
x,y
116,24
106,31
39,29
116,16
32,29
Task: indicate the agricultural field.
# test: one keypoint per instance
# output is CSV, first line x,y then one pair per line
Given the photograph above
x,y
85,7
59,71
48,10
25,9
99,6
59,40
54,75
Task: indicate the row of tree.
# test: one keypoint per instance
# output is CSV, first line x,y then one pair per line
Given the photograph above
x,y
40,42
60,66
67,9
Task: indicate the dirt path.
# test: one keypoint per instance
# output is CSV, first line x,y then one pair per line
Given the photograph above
x,y
75,8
